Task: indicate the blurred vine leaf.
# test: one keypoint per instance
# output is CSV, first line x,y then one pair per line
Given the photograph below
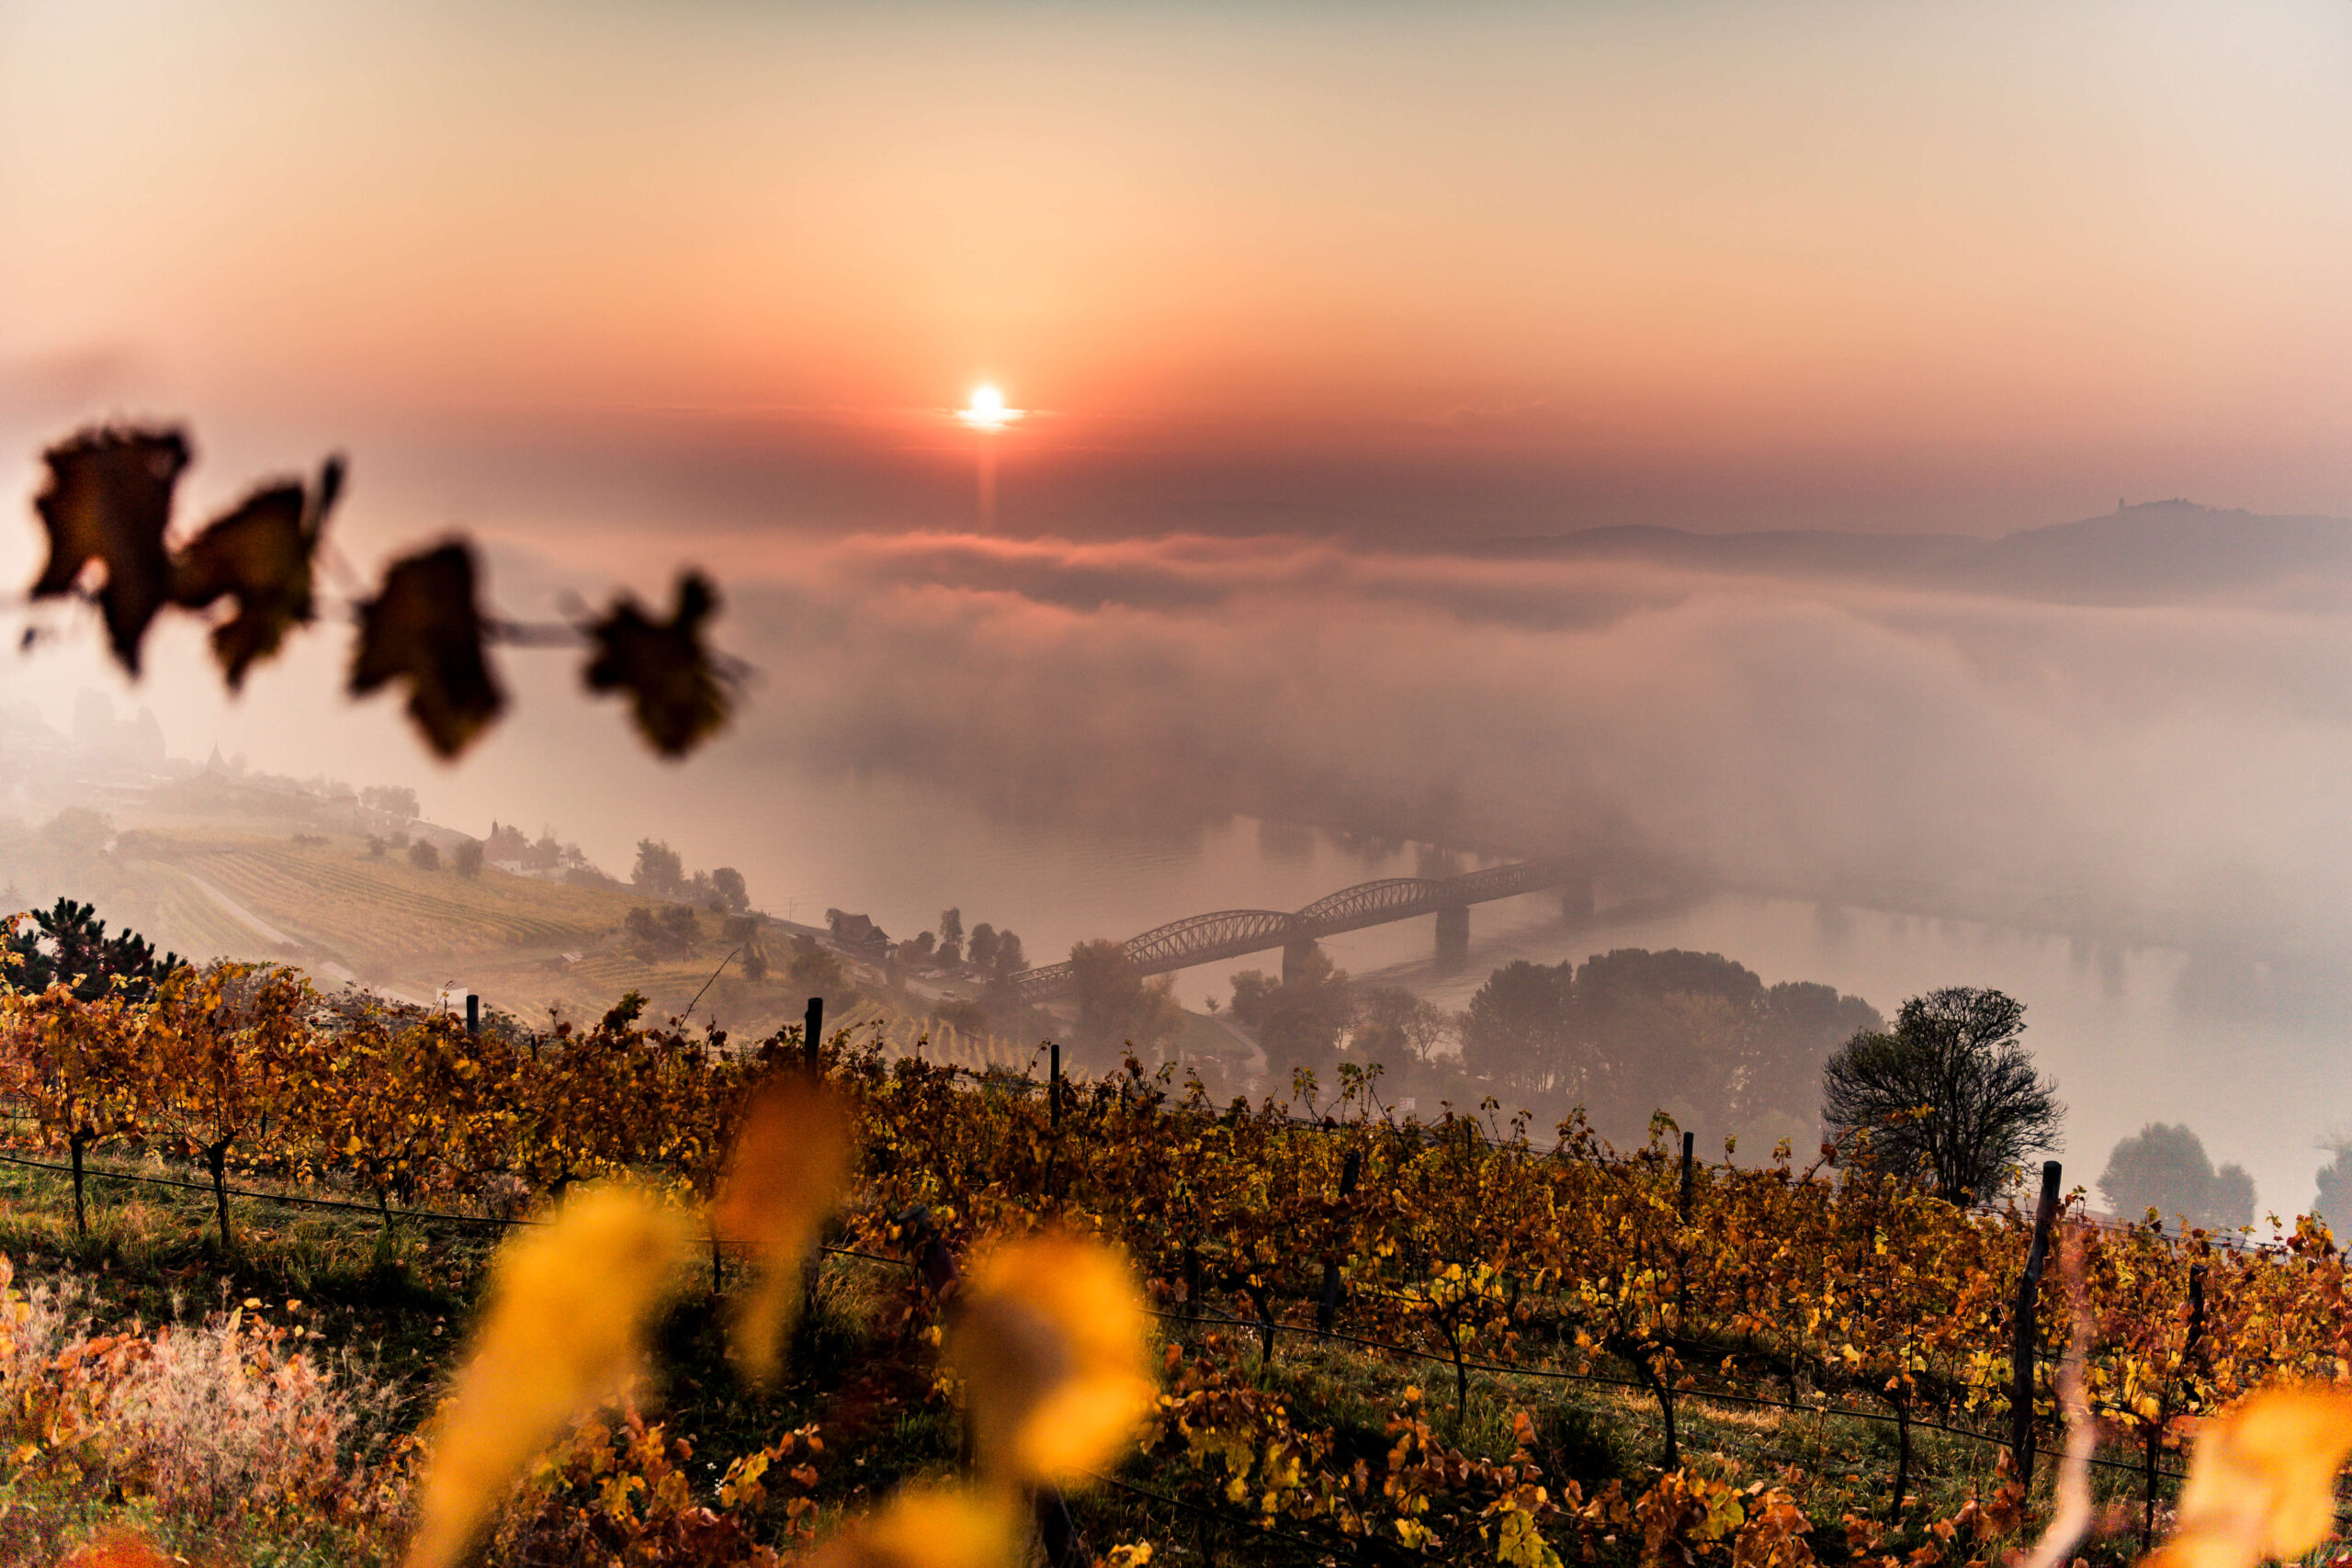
x,y
108,499
425,628
565,1331
929,1527
675,691
260,555
1051,1347
2262,1481
119,1549
789,1165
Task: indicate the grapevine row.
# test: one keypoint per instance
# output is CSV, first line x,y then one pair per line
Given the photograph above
x,y
1459,1237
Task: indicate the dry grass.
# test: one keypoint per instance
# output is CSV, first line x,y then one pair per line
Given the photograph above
x,y
228,1422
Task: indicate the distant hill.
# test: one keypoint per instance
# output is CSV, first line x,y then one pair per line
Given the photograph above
x,y
2162,552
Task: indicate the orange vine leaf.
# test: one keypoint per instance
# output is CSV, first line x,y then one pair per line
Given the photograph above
x,y
2262,1480
787,1168
1051,1346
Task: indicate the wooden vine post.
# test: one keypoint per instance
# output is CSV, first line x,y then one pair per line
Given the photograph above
x,y
1327,1311
1053,1120
2024,1331
812,1030
1681,1257
2156,1433
2196,1312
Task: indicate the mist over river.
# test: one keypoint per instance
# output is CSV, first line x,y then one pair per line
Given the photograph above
x,y
2132,1035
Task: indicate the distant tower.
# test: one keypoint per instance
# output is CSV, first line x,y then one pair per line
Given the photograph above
x,y
2119,503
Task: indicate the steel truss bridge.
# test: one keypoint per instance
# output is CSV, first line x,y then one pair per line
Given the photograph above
x,y
1232,933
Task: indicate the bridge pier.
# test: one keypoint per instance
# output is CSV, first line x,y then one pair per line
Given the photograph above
x,y
1452,938
1294,957
1579,898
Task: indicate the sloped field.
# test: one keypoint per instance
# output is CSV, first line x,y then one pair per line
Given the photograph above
x,y
386,911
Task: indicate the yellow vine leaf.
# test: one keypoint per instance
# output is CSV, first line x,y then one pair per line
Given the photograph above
x,y
2262,1481
787,1168
1520,1544
1051,1347
565,1330
929,1527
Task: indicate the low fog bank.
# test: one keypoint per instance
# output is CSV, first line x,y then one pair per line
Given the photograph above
x,y
2156,774
2149,775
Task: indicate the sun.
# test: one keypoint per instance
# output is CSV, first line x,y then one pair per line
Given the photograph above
x,y
987,410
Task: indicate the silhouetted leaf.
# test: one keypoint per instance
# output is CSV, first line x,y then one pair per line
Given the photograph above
x,y
675,689
425,628
108,499
259,555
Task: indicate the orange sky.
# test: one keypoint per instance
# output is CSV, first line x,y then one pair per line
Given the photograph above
x,y
1485,268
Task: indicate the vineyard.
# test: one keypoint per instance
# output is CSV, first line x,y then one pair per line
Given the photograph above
x,y
330,902
1381,1339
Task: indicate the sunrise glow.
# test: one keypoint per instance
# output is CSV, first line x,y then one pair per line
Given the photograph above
x,y
987,410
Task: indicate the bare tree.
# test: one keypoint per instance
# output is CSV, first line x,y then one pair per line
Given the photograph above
x,y
1949,1095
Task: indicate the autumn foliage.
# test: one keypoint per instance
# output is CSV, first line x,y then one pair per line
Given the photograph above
x,y
1463,1239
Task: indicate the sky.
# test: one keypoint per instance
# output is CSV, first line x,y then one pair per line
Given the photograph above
x,y
1404,272
1304,303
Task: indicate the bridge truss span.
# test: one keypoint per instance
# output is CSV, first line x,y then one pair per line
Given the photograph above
x,y
1233,933
1371,903
1179,943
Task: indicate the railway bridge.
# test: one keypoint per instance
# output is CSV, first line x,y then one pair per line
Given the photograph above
x,y
1232,933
